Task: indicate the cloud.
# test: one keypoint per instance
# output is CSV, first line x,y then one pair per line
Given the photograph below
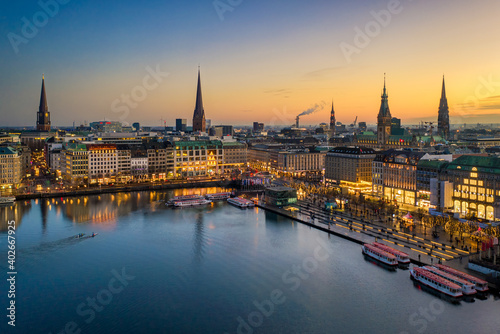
x,y
321,74
278,92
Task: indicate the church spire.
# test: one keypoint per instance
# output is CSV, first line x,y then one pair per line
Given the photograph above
x,y
199,123
443,114
384,104
332,121
43,115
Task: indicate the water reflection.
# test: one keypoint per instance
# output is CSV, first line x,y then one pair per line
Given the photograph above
x,y
14,212
199,238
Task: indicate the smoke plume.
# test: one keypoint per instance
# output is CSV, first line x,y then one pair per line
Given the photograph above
x,y
316,107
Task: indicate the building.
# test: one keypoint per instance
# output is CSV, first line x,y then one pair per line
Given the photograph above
x,y
258,127
199,123
476,186
384,120
235,156
75,163
43,114
180,125
139,165
221,130
350,167
11,170
124,156
197,158
136,126
157,159
280,196
332,122
106,126
443,115
298,163
427,171
102,162
395,176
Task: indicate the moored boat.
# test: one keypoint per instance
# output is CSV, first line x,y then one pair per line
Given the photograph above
x,y
241,202
402,257
218,196
7,200
192,202
466,286
435,282
183,198
480,285
379,254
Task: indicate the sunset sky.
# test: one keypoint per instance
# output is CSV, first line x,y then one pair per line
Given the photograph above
x,y
264,61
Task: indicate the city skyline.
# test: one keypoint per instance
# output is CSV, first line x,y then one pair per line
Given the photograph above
x,y
260,62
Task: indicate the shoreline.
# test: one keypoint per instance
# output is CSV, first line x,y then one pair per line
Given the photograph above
x,y
109,190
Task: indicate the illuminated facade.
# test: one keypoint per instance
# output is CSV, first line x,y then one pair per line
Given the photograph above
x,y
102,162
476,186
235,156
397,171
198,158
75,162
10,167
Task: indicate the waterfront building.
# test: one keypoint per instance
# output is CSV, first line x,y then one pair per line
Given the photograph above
x,y
139,165
198,158
350,168
443,115
395,176
11,170
157,159
75,163
124,155
476,186
43,114
199,123
430,191
102,162
235,155
280,196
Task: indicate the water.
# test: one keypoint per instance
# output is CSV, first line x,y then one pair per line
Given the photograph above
x,y
206,270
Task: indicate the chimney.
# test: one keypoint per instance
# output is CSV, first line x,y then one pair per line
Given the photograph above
x,y
297,122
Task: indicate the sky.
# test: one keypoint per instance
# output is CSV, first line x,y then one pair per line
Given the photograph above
x,y
264,61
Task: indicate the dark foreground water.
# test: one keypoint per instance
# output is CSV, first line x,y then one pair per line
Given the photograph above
x,y
217,269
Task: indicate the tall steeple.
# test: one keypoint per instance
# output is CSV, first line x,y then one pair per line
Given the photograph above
x,y
443,114
384,119
43,115
332,122
199,122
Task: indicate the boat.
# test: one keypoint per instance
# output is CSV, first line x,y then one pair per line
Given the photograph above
x,y
183,198
192,202
402,258
7,200
241,202
480,285
436,282
466,286
218,196
80,235
94,234
379,254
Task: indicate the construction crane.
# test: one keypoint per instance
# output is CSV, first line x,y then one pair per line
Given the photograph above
x,y
355,121
430,127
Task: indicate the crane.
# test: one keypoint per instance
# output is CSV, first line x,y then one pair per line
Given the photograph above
x,y
355,121
430,127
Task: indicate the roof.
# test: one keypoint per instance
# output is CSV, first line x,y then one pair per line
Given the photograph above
x,y
437,164
392,155
358,150
7,150
198,143
481,164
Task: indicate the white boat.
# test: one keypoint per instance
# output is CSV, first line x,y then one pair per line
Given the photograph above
x,y
466,286
241,202
402,258
218,196
480,285
436,282
380,255
183,198
7,200
192,202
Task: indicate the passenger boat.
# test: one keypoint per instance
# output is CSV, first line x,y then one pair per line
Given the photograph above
x,y
218,196
402,258
379,254
466,286
480,285
435,282
241,202
192,202
7,200
183,198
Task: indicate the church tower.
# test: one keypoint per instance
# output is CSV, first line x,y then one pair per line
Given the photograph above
x,y
199,122
332,122
384,120
443,115
43,115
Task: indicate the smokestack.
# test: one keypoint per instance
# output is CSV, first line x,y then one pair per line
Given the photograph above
x,y
297,122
